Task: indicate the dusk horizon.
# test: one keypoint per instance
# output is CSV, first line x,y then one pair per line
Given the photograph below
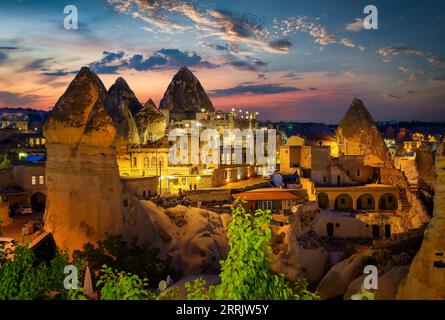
x,y
295,62
219,155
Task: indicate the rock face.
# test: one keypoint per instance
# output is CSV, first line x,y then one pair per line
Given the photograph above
x,y
294,261
336,282
388,284
122,105
185,94
426,277
358,134
151,123
194,238
83,187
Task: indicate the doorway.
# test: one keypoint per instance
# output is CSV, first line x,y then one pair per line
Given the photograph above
x,y
330,230
375,231
387,231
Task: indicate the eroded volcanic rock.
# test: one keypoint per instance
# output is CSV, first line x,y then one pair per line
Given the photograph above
x,y
68,120
426,277
122,105
185,94
151,123
358,135
82,178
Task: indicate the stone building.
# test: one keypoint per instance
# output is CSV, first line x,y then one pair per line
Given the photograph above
x,y
24,184
372,197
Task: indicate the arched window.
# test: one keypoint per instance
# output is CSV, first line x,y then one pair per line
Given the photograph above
x,y
344,203
146,162
388,201
366,202
323,200
153,162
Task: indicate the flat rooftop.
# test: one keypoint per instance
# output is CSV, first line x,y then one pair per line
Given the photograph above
x,y
373,186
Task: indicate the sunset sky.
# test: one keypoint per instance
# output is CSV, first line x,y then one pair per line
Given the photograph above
x,y
289,60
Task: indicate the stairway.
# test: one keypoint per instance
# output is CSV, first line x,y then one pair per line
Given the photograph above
x,y
405,205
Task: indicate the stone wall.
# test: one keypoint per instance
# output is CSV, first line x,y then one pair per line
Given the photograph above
x,y
417,214
141,187
5,178
208,195
426,277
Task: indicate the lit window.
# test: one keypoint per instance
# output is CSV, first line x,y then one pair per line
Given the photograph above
x,y
41,179
33,180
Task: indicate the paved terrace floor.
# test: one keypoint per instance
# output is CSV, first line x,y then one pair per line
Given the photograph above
x,y
240,184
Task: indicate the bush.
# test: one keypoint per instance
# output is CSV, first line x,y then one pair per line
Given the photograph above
x,y
123,286
22,279
136,258
246,273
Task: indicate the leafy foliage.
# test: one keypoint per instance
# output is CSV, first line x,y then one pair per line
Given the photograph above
x,y
133,257
22,279
4,162
301,291
197,290
363,294
246,274
123,286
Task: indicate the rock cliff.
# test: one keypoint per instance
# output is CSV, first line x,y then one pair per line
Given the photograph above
x,y
83,187
426,277
358,134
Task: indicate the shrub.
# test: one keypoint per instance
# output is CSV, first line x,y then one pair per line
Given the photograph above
x,y
246,273
122,286
22,279
133,257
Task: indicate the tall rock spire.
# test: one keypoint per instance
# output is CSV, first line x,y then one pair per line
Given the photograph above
x,y
80,113
122,105
185,94
82,178
151,123
358,134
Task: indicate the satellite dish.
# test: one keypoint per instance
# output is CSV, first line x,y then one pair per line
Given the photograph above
x,y
294,209
162,285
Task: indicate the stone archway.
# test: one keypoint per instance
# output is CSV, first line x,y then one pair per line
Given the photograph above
x,y
38,202
366,202
388,201
323,200
344,202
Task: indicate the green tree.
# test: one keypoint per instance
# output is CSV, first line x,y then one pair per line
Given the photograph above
x,y
123,286
22,278
246,272
134,257
4,162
